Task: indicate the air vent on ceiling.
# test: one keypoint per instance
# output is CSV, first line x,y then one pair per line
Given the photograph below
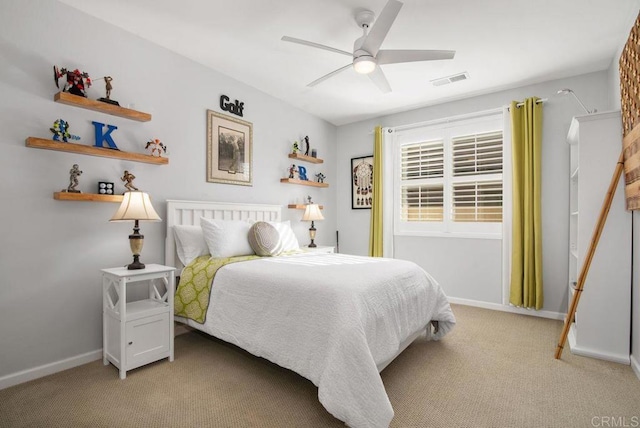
x,y
450,79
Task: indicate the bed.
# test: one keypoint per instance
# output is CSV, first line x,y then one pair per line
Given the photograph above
x,y
337,320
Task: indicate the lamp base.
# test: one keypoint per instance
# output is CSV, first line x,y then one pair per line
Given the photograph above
x,y
136,263
312,245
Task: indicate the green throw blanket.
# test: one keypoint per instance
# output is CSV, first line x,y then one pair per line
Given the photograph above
x,y
192,296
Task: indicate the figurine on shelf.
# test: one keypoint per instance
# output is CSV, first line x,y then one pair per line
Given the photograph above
x,y
306,146
128,178
74,173
293,171
108,88
320,177
295,148
76,83
156,147
61,131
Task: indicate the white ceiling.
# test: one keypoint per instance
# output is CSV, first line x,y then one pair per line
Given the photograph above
x,y
500,43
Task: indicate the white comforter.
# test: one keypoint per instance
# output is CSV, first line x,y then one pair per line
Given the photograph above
x,y
329,317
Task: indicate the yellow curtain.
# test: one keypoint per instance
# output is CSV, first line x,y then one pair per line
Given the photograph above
x,y
526,252
375,232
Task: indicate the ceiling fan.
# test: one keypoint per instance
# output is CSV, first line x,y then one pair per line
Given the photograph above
x,y
367,55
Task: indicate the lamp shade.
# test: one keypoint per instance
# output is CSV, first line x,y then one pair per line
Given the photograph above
x,y
136,206
312,213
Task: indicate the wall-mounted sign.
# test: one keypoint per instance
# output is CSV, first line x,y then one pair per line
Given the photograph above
x,y
234,108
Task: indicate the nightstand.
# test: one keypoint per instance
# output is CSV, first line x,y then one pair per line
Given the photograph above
x,y
139,332
319,249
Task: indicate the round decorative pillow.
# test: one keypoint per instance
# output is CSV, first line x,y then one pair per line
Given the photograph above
x,y
265,239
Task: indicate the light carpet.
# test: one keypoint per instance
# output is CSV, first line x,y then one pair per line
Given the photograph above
x,y
495,369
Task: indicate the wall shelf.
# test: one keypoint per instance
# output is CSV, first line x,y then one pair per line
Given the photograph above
x,y
305,158
301,206
114,110
303,182
41,143
86,197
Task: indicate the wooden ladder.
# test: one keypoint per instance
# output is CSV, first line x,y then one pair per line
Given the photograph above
x,y
602,219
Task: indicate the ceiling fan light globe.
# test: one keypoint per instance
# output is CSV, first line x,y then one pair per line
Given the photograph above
x,y
364,65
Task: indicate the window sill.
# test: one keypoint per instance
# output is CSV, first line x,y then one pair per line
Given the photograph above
x,y
463,235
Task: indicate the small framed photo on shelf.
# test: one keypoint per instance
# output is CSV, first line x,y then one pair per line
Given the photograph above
x,y
362,182
229,150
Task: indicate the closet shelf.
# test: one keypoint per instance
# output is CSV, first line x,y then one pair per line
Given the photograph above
x,y
114,110
303,182
305,158
41,143
86,197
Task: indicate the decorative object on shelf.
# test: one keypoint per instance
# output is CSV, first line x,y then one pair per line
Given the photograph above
x,y
61,131
293,172
136,206
76,82
104,137
229,150
320,177
105,188
156,147
362,182
108,87
295,147
74,173
232,108
302,173
312,213
306,146
314,153
128,178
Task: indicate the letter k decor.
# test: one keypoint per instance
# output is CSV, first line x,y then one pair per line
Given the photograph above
x,y
106,136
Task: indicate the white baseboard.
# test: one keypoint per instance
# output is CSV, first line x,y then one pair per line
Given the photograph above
x,y
47,369
505,308
68,363
635,365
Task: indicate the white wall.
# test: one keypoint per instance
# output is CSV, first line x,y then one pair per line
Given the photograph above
x,y
52,252
472,269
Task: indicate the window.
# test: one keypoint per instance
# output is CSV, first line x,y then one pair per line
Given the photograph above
x,y
449,178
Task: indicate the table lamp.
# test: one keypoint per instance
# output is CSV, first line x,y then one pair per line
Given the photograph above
x,y
136,206
312,213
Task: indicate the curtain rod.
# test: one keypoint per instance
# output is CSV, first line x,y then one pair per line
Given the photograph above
x,y
541,100
475,115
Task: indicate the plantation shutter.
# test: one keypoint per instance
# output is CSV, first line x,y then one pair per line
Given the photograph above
x,y
422,190
477,172
477,154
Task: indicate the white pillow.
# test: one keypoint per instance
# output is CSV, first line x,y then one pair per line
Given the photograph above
x,y
190,243
226,238
287,237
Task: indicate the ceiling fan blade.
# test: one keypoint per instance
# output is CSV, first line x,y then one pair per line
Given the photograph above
x,y
326,76
377,77
381,27
315,45
398,56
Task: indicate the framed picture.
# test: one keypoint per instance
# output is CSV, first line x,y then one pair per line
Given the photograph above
x,y
362,183
229,150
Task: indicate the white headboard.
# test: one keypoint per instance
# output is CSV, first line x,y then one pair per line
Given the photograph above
x,y
189,213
